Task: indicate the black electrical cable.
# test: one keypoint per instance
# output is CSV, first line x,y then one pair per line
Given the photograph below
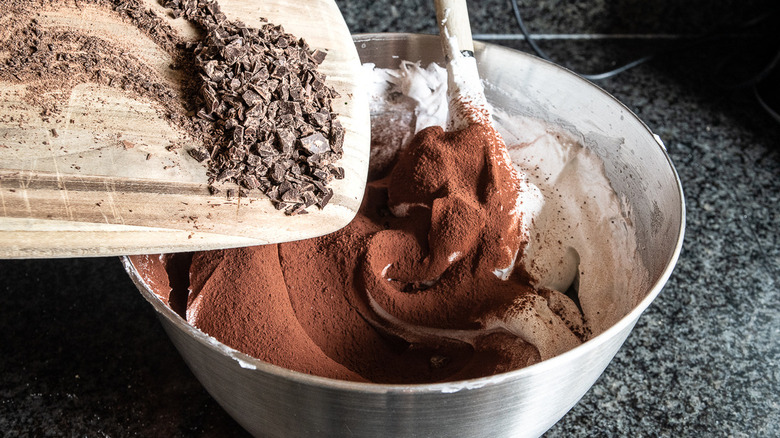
x,y
527,34
764,88
629,65
591,77
758,76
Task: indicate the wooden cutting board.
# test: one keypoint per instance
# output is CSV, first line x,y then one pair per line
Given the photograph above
x,y
106,174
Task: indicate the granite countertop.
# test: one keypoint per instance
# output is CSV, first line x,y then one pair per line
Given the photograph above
x,y
82,354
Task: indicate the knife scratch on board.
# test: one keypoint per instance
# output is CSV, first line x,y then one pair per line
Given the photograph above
x,y
64,195
25,180
2,198
110,190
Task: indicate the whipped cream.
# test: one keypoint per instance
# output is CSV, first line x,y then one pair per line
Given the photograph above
x,y
579,233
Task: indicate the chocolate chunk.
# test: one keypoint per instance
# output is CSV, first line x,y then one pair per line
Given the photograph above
x,y
305,129
199,154
236,153
308,105
253,160
315,143
272,109
265,150
325,198
230,124
296,209
273,193
260,74
226,174
238,134
309,198
337,137
280,70
291,195
210,96
318,56
212,70
282,92
322,175
293,108
286,139
319,119
250,182
296,93
251,97
263,90
231,54
286,120
317,84
221,110
277,173
203,114
337,172
250,134
284,186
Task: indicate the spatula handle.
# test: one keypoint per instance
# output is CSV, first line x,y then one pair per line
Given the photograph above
x,y
453,19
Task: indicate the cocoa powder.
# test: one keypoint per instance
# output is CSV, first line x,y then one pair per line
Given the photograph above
x,y
51,61
384,299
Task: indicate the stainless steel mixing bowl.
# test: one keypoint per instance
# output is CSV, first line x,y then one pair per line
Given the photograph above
x,y
271,401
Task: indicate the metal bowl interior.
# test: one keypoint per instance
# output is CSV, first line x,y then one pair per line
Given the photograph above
x,y
271,401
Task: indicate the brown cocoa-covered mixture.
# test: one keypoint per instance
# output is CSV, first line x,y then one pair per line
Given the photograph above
x,y
251,99
403,298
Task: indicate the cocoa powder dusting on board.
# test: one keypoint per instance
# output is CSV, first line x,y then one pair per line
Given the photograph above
x,y
253,98
50,60
390,298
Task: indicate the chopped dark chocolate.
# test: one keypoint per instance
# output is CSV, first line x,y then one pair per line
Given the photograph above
x,y
252,96
261,90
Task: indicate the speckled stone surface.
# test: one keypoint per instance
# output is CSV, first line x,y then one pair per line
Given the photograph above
x,y
81,353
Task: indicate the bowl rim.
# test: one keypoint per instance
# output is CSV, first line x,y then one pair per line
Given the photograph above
x,y
251,363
